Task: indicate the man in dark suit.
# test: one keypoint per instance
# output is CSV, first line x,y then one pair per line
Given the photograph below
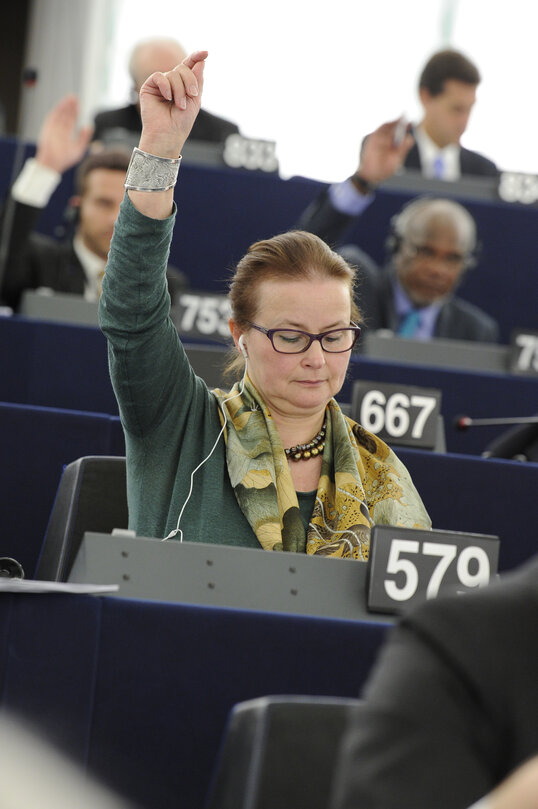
x,y
451,706
447,91
124,124
431,245
76,264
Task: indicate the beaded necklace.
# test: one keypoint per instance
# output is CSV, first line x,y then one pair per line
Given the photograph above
x,y
302,452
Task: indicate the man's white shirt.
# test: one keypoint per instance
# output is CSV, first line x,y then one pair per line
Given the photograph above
x,y
431,156
34,186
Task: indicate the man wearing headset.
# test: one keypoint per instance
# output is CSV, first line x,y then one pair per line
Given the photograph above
x,y
432,242
75,264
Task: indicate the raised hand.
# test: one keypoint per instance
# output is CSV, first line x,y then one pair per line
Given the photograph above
x,y
61,144
169,104
380,157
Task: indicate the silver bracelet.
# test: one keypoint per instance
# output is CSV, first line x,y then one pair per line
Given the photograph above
x,y
148,172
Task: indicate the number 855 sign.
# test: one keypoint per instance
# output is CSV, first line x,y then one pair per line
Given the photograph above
x,y
409,565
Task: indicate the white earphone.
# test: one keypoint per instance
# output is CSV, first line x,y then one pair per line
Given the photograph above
x,y
177,530
242,347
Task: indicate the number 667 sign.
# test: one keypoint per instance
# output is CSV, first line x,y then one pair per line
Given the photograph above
x,y
399,414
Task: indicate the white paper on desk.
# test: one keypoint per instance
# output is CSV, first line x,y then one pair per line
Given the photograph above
x,y
34,586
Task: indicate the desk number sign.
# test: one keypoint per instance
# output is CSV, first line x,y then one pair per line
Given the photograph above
x,y
250,153
409,565
524,352
399,414
518,187
202,316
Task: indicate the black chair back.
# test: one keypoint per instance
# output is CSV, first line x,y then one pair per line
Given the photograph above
x,y
91,496
280,751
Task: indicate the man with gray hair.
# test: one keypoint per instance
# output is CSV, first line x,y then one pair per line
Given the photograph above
x,y
125,125
432,242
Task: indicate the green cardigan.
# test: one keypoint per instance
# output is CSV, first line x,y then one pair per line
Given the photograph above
x,y
169,417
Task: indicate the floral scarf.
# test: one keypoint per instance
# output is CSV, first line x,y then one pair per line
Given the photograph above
x,y
362,482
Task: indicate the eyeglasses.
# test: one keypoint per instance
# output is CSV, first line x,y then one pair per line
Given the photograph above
x,y
451,259
295,341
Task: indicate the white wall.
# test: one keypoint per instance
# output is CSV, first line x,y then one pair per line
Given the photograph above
x,y
69,43
313,78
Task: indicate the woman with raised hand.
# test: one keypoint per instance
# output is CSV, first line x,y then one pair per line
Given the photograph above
x,y
273,463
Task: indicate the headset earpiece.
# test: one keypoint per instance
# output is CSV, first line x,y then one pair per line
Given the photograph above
x,y
393,242
242,347
70,218
399,224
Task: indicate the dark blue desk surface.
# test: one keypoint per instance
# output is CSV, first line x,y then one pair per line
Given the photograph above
x,y
59,365
36,443
47,366
55,365
139,692
222,211
461,492
471,393
486,496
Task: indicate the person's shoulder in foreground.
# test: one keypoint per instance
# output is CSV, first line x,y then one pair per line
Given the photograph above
x,y
451,706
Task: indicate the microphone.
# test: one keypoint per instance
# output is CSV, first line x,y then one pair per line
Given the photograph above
x,y
462,423
519,443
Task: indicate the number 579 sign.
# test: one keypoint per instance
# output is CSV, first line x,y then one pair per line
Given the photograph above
x,y
409,565
402,414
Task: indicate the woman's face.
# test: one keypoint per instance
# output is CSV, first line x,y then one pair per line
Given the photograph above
x,y
295,384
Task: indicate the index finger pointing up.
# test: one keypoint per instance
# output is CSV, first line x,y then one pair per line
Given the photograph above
x,y
193,58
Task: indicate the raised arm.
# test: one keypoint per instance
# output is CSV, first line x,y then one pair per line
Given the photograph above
x,y
148,367
61,144
335,209
382,153
169,104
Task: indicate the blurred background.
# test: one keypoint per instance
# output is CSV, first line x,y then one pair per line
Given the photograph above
x,y
313,79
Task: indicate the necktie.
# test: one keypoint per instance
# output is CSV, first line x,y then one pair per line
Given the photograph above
x,y
438,167
410,324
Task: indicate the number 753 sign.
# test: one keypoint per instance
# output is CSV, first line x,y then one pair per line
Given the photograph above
x,y
409,565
